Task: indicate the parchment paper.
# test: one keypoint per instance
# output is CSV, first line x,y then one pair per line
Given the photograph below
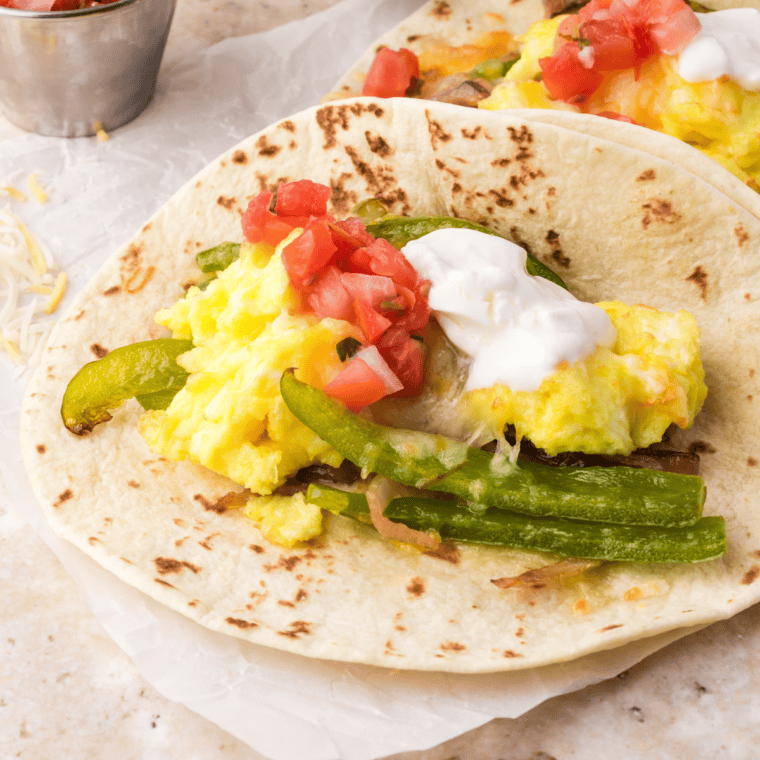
x,y
284,706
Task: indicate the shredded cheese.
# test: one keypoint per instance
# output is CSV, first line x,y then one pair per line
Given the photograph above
x,y
37,191
100,132
17,195
28,291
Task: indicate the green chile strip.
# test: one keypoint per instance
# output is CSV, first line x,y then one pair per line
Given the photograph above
x,y
704,540
217,258
623,495
399,230
147,371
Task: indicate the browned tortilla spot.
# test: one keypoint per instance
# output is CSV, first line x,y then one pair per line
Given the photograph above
x,y
751,575
41,448
227,203
452,646
287,125
509,653
206,541
112,291
239,157
377,144
646,176
194,603
416,587
441,10
413,37
164,583
266,148
93,539
256,548
501,198
741,235
658,210
560,258
437,132
244,624
165,566
284,563
751,462
329,119
610,627
147,275
133,484
471,134
65,496
209,506
297,627
381,181
342,200
283,603
98,350
699,278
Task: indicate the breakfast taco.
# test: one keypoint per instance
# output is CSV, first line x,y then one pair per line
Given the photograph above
x,y
208,501
688,71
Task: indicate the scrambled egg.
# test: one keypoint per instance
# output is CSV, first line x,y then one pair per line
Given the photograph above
x,y
617,399
230,416
719,117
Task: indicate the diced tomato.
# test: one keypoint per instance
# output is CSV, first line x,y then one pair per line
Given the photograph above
x,y
259,223
416,313
302,198
365,379
356,229
566,77
382,258
370,288
391,73
308,253
327,297
406,357
613,48
372,323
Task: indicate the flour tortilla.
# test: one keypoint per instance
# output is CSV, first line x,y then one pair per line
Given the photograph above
x,y
644,230
461,22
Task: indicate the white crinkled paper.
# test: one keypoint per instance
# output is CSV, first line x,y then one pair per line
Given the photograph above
x,y
284,706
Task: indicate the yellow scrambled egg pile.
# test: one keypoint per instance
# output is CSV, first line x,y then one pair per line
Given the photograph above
x,y
718,117
230,416
616,400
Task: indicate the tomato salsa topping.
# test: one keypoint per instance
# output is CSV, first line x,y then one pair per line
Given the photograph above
x,y
391,74
611,35
341,271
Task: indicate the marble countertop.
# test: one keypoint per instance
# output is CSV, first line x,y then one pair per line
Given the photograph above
x,y
67,690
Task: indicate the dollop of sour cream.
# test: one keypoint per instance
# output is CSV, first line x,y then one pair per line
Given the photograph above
x,y
518,329
728,45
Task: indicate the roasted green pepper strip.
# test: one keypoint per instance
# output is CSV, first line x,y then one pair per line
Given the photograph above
x,y
217,258
624,495
399,230
704,540
492,69
147,371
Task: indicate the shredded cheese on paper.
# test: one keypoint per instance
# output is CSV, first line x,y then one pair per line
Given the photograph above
x,y
29,289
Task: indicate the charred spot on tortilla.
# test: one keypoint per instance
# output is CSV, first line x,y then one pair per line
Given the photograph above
x,y
242,624
659,210
342,200
284,563
472,134
699,278
287,125
166,566
164,583
266,148
741,235
751,462
98,350
206,543
227,203
41,448
647,176
751,575
453,646
442,166
501,162
501,199
381,183
128,561
377,144
297,628
239,157
63,496
610,627
330,119
510,654
112,291
256,548
208,505
416,587
93,539
133,484
441,10
437,132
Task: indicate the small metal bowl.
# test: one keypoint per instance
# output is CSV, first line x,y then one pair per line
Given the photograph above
x,y
69,73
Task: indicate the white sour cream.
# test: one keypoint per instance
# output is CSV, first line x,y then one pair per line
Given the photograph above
x,y
516,328
728,45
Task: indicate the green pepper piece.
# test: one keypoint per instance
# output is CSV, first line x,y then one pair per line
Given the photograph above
x,y
369,210
217,258
492,69
601,494
705,540
147,371
399,230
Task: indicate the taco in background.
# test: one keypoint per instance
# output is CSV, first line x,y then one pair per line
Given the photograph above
x,y
645,231
658,65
